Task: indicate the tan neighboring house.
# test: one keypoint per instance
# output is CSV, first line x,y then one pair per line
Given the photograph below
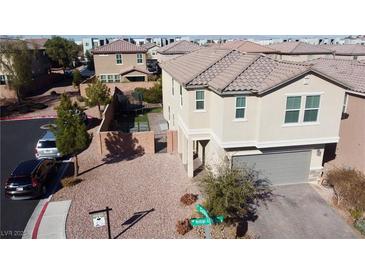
x,y
152,49
249,109
350,150
175,49
120,61
245,47
300,51
348,51
40,68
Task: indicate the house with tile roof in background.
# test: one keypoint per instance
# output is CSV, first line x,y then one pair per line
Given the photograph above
x,y
249,109
120,61
348,51
152,49
175,49
300,51
244,46
350,150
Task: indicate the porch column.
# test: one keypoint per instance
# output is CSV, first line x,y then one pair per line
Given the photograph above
x,y
184,149
190,158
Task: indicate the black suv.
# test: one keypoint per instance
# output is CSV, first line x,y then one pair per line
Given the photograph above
x,y
29,179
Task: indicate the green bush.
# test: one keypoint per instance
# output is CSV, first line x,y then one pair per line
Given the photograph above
x,y
349,188
360,225
151,95
233,192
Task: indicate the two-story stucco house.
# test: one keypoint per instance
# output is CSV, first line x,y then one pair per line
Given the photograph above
x,y
249,109
300,51
175,49
120,61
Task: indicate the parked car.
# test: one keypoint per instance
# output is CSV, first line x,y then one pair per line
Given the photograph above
x,y
29,179
46,147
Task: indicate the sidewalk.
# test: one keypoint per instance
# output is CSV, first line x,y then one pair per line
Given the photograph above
x,y
53,223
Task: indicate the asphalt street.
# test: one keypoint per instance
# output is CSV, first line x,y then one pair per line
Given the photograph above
x,y
18,140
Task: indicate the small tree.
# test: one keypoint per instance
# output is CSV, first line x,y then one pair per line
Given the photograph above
x,y
97,94
71,133
232,192
90,60
76,78
62,51
16,62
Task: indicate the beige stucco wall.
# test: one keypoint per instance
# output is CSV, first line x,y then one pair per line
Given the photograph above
x,y
264,120
350,150
106,64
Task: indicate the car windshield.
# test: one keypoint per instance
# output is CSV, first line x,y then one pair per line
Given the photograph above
x,y
47,144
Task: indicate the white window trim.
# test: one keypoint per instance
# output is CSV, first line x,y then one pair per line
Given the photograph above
x,y
319,107
302,109
244,119
139,58
121,56
196,100
113,74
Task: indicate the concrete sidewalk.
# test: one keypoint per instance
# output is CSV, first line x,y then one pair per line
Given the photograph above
x,y
53,222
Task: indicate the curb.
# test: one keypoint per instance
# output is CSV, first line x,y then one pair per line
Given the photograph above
x,y
38,222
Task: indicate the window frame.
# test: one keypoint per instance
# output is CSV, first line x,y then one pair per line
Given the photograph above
x,y
139,58
293,109
239,108
120,59
316,108
199,100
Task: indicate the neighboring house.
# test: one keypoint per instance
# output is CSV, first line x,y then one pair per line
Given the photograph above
x,y
88,44
350,150
245,46
175,49
348,51
300,51
274,116
151,50
40,67
120,61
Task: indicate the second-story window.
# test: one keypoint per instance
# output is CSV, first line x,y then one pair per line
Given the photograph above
x,y
139,58
311,108
199,100
172,86
118,58
240,107
181,98
292,109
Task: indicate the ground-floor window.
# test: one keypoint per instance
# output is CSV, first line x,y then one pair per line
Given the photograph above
x,y
110,78
135,78
2,80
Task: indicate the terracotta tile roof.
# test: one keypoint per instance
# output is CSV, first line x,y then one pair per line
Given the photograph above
x,y
350,72
148,46
230,71
119,46
245,46
133,68
299,48
179,47
349,49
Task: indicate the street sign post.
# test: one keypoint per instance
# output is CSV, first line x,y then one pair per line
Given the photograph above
x,y
207,221
98,217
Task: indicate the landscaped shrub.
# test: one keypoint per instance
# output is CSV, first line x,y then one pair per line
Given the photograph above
x,y
70,181
183,227
151,95
233,192
188,199
360,225
349,188
80,98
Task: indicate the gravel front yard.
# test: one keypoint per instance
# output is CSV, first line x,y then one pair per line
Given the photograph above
x,y
148,182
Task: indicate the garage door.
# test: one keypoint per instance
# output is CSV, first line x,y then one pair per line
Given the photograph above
x,y
278,167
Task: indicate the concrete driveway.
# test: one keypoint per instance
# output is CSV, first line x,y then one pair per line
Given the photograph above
x,y
299,212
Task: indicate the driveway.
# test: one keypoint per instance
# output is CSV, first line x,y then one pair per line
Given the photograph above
x,y
299,212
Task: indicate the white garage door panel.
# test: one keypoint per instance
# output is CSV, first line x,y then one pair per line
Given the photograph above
x,y
279,168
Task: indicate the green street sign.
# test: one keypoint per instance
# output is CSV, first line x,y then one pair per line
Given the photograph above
x,y
202,210
206,221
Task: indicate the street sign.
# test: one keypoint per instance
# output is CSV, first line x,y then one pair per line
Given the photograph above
x,y
98,219
202,210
